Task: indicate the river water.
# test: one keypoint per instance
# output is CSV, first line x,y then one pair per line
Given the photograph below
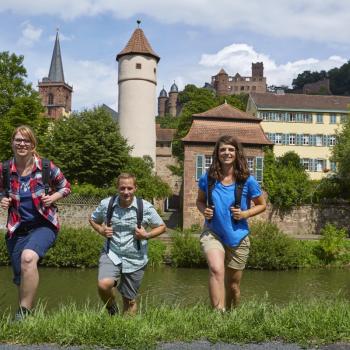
x,y
181,286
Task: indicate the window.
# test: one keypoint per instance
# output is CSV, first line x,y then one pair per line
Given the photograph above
x,y
138,65
292,139
278,139
318,140
333,166
291,117
306,163
306,140
154,70
50,99
251,165
343,118
259,166
331,140
203,163
253,88
320,164
333,119
242,88
319,119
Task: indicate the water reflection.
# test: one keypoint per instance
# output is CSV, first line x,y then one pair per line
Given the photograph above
x,y
182,286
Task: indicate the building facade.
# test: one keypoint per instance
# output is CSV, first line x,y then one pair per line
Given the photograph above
x,y
55,93
199,144
233,85
137,80
302,123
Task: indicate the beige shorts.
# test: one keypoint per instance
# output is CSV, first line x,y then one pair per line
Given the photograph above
x,y
235,258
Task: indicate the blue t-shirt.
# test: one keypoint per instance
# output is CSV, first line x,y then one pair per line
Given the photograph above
x,y
222,223
27,209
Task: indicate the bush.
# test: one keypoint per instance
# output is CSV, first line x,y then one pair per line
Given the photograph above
x,y
332,245
271,249
156,252
186,251
4,258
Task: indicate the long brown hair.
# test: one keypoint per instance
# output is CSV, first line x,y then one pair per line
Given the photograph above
x,y
27,132
240,165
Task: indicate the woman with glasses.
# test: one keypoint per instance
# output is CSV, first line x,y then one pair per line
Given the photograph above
x,y
32,223
225,240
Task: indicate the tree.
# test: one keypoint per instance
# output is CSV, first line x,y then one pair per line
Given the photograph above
x,y
308,77
88,147
19,102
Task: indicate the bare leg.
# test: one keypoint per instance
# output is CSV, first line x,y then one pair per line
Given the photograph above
x,y
106,291
29,278
130,306
232,283
216,262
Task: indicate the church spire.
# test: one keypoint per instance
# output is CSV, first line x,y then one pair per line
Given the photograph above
x,y
56,67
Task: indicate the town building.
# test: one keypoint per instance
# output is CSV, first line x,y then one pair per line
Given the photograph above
x,y
55,93
224,84
137,81
305,124
169,105
199,143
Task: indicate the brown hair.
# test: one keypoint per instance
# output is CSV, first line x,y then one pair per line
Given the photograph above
x,y
126,176
27,132
240,165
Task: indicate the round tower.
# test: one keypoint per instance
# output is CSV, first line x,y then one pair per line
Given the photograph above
x,y
162,103
173,94
137,80
221,83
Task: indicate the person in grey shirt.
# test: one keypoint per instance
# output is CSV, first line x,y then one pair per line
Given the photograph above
x,y
124,258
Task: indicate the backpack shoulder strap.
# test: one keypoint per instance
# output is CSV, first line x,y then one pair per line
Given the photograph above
x,y
238,193
139,212
211,184
6,177
46,174
110,210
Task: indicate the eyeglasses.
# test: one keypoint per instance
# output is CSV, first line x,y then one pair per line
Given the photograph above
x,y
19,141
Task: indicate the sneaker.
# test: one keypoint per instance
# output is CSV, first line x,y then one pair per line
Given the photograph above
x,y
113,309
21,313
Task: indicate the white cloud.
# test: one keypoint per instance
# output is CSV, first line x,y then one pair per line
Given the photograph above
x,y
30,34
237,58
306,19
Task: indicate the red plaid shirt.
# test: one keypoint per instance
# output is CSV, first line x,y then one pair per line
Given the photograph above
x,y
58,183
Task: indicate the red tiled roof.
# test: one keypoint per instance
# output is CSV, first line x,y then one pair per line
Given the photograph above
x,y
208,131
164,134
225,111
301,101
138,44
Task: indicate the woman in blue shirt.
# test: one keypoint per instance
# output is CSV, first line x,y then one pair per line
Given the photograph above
x,y
225,240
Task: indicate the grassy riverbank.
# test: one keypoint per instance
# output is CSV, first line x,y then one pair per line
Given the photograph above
x,y
306,323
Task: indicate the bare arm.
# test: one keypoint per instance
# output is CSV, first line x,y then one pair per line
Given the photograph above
x,y
101,229
259,207
141,233
201,203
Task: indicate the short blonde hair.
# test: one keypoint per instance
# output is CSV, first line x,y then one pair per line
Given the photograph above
x,y
126,176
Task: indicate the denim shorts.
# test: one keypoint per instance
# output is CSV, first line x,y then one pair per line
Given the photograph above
x,y
128,284
39,239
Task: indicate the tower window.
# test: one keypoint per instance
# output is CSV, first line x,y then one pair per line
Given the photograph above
x,y
154,70
50,99
138,65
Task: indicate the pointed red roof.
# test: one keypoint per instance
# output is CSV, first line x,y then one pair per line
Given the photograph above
x,y
138,44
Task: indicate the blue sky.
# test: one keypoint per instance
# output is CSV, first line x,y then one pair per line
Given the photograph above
x,y
194,38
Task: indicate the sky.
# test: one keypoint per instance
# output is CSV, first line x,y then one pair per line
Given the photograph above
x,y
194,38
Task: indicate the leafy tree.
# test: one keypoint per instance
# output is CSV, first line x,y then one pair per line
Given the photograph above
x,y
285,181
292,159
308,77
19,102
88,147
168,122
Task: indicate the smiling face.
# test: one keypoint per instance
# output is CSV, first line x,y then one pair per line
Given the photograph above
x,y
227,154
126,190
22,146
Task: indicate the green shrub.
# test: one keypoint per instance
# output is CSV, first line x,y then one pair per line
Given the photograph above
x,y
156,252
186,251
4,258
332,245
271,249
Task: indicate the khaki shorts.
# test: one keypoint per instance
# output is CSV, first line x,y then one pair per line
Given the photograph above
x,y
235,258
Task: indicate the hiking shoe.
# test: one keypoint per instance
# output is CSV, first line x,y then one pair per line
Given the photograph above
x,y
21,313
113,309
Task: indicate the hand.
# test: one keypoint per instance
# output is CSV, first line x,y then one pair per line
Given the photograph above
x,y
141,233
5,203
106,231
208,213
47,200
238,214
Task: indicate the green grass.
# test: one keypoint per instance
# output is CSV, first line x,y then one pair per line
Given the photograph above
x,y
314,322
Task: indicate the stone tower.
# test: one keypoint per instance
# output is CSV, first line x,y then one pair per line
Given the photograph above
x,y
220,83
162,103
137,80
258,69
56,94
173,95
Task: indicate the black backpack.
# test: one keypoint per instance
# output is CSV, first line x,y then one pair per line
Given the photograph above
x,y
238,193
139,217
6,175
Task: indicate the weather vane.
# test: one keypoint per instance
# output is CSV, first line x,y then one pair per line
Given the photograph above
x,y
138,23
